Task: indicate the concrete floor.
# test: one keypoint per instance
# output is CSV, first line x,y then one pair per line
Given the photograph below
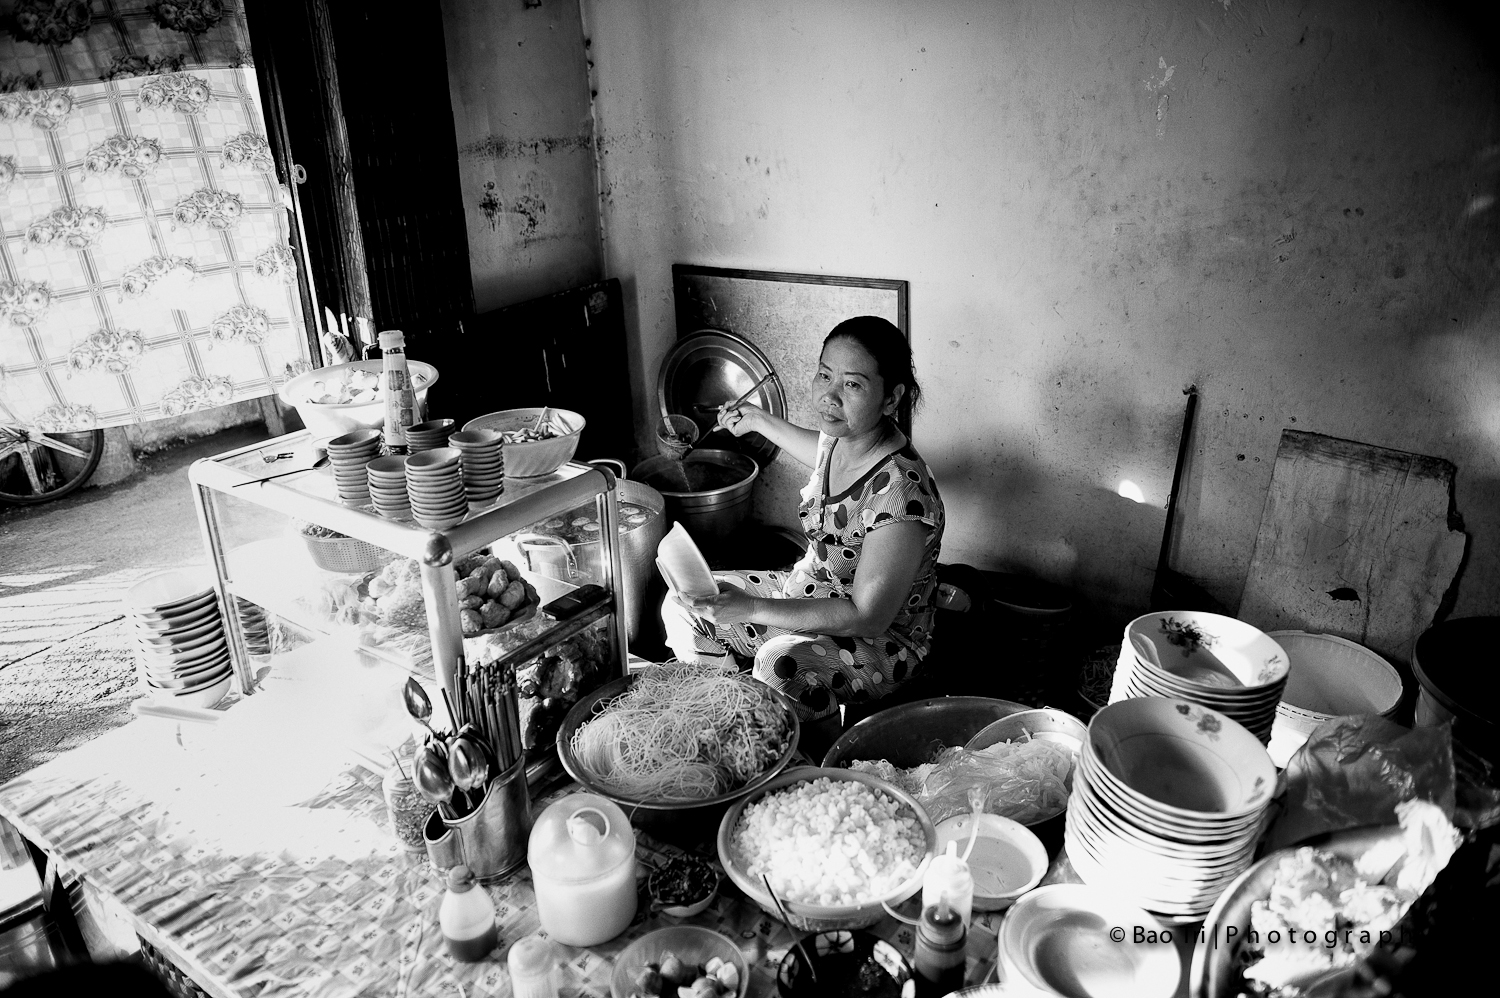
x,y
67,666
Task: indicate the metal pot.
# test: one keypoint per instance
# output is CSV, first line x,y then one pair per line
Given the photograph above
x,y
709,490
579,563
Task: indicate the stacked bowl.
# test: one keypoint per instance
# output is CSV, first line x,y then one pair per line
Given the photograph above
x,y
183,650
429,435
435,484
1207,659
349,454
387,478
483,463
1168,802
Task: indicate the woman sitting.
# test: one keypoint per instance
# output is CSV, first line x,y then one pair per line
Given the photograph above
x,y
853,618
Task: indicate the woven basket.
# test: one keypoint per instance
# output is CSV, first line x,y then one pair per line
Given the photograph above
x,y
178,983
344,554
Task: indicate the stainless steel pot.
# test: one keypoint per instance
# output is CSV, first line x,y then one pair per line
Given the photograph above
x,y
709,490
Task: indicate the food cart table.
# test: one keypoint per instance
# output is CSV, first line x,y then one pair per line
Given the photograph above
x,y
248,898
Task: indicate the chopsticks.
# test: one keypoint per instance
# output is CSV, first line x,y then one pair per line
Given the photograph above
x,y
739,401
490,698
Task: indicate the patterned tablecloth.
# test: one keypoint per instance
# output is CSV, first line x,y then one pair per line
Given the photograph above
x,y
316,899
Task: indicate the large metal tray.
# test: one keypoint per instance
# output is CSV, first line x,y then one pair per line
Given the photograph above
x,y
709,367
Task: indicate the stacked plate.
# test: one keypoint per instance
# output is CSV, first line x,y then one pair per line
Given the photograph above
x,y
1207,659
255,625
435,484
183,650
349,454
429,435
483,463
1168,802
387,478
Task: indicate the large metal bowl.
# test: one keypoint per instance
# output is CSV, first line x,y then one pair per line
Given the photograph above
x,y
675,820
909,734
1217,964
815,917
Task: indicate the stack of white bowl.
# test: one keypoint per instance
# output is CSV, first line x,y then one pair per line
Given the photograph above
x,y
1167,805
435,483
183,649
349,454
387,477
483,463
1207,659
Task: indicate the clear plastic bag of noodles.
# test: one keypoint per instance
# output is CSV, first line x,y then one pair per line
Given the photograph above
x,y
1021,780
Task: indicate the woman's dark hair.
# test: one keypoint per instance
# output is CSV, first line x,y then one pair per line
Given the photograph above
x,y
887,344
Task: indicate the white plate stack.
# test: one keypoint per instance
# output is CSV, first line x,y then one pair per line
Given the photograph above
x,y
184,652
1168,801
1208,659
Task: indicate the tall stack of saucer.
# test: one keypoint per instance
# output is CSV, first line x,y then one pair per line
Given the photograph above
x,y
1167,804
388,494
1207,659
183,652
429,435
483,461
435,483
349,454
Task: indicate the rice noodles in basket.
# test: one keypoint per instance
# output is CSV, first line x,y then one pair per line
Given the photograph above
x,y
683,733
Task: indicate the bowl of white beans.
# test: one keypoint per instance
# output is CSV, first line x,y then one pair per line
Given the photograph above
x,y
834,844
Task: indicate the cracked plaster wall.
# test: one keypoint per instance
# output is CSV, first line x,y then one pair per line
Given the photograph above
x,y
1291,205
518,79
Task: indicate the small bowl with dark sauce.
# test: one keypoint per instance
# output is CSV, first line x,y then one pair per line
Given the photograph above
x,y
849,964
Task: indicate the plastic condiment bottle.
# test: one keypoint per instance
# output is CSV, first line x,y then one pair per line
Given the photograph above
x,y
948,877
400,400
582,858
467,917
533,968
939,957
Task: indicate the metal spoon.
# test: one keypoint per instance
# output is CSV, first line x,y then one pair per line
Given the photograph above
x,y
433,780
417,704
320,462
807,960
467,766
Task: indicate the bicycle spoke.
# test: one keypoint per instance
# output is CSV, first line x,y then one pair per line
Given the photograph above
x,y
14,447
30,464
58,445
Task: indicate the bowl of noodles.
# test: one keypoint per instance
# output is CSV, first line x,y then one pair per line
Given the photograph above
x,y
676,744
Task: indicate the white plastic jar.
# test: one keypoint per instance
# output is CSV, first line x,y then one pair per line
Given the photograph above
x,y
582,857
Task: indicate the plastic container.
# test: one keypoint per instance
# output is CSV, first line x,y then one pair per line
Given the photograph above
x,y
1453,663
582,857
405,806
949,881
938,958
533,968
1329,677
467,918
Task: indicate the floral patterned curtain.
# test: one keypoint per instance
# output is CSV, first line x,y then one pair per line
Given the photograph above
x,y
145,269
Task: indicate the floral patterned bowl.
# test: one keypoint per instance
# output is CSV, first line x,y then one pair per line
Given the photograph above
x,y
1181,759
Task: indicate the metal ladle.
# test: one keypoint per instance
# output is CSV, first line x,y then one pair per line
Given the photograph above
x,y
417,704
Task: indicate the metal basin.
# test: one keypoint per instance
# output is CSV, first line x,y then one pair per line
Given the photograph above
x,y
678,821
909,734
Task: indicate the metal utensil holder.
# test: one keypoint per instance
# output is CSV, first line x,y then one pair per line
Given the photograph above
x,y
491,840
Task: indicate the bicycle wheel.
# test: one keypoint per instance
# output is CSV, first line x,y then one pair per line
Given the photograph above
x,y
39,467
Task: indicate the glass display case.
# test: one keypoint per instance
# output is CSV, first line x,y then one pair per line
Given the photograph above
x,y
296,566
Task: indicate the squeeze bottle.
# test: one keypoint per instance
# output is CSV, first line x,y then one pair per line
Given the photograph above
x,y
467,917
949,877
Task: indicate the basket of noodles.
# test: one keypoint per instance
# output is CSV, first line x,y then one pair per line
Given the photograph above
x,y
676,744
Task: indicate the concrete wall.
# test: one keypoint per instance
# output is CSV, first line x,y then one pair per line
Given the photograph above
x,y
518,77
1291,206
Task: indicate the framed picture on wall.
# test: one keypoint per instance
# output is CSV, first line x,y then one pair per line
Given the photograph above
x,y
785,316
